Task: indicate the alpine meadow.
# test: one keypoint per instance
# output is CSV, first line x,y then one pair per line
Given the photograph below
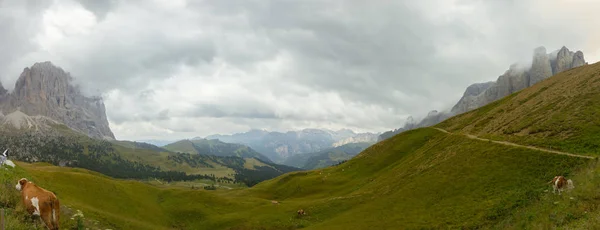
x,y
299,115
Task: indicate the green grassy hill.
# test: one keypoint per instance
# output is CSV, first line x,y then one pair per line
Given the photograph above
x,y
132,160
419,179
214,147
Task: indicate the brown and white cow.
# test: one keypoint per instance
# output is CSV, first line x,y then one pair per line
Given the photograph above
x,y
40,202
301,212
559,183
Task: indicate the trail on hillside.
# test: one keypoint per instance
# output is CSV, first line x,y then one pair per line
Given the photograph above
x,y
517,145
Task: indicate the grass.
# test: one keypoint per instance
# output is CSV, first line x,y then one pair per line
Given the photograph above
x,y
576,209
184,146
421,179
560,113
159,159
15,215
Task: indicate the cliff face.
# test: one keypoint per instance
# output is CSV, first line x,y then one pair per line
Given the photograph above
x,y
516,78
46,90
520,77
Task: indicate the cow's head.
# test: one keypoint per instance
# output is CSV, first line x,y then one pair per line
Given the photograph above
x,y
21,183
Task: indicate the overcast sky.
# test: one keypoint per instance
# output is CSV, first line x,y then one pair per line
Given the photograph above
x,y
176,69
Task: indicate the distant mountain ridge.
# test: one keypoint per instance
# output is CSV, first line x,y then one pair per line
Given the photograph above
x,y
278,145
327,157
516,78
46,90
215,147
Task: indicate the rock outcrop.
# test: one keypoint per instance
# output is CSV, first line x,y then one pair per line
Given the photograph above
x,y
565,60
358,138
46,90
541,67
516,78
3,91
519,77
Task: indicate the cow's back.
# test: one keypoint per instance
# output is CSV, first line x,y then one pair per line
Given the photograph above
x,y
45,202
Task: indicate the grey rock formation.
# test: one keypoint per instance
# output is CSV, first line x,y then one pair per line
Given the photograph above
x,y
46,90
434,117
358,138
564,60
578,60
3,91
410,123
516,78
541,67
471,94
519,77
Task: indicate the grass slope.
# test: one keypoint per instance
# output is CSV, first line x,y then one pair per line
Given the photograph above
x,y
214,147
419,179
561,112
184,146
424,179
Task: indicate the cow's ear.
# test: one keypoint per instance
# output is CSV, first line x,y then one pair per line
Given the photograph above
x,y
22,182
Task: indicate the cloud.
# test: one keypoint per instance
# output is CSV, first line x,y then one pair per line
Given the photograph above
x,y
174,69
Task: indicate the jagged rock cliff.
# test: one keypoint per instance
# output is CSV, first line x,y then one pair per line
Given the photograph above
x,y
46,90
3,91
516,78
358,138
519,77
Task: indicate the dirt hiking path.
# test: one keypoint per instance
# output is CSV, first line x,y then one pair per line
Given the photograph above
x,y
517,145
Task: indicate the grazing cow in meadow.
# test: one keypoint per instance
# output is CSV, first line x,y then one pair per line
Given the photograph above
x,y
40,202
559,183
301,212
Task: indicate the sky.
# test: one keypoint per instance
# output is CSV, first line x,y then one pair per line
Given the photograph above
x,y
177,69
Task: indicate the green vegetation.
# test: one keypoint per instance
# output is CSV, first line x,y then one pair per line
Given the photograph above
x,y
216,148
132,160
422,179
326,157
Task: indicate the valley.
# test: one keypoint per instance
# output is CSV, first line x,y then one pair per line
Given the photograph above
x,y
290,115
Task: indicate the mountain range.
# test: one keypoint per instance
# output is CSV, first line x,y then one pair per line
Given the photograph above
x,y
518,77
46,118
327,157
278,146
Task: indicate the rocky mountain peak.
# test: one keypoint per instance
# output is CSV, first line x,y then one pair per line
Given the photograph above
x,y
410,121
519,76
3,91
541,67
578,59
46,90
